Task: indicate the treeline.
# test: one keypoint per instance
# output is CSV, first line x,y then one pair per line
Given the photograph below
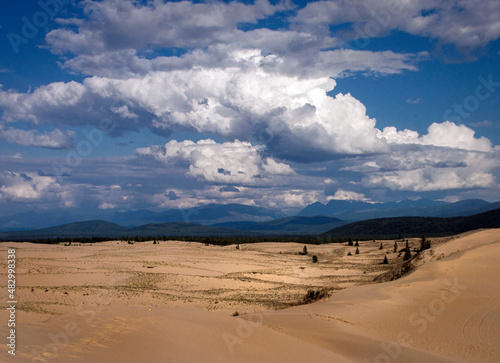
x,y
57,240
213,240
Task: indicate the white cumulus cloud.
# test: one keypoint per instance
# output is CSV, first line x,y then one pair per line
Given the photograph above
x,y
56,139
27,186
230,162
294,114
446,134
429,168
341,194
467,24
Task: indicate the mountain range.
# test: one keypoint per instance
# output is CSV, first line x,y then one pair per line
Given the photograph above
x,y
89,229
288,225
381,228
207,214
358,210
316,218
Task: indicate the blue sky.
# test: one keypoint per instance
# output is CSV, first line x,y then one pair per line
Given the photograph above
x,y
118,105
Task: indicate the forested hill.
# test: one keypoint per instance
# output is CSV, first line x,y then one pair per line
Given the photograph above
x,y
415,226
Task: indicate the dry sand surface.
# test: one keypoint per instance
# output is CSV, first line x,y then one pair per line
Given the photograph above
x,y
174,302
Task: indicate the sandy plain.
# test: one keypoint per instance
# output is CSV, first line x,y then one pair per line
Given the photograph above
x,y
176,301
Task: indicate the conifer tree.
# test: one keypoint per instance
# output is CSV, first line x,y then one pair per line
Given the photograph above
x,y
424,244
407,255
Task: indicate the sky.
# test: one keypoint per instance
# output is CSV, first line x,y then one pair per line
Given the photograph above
x,y
117,105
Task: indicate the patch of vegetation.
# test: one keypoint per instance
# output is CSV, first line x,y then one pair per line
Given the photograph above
x,y
315,295
35,307
398,271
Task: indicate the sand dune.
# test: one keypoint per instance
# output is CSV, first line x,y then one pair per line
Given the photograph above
x,y
115,309
447,308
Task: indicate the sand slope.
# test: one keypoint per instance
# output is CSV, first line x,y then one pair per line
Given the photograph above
x,y
447,310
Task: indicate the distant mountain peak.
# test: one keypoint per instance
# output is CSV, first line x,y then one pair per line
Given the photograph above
x,y
359,210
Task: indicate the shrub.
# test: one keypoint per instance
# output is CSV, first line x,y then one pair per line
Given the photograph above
x,y
357,251
381,246
315,259
356,244
314,295
236,313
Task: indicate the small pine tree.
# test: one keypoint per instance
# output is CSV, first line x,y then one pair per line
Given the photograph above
x,y
381,246
350,242
315,259
304,250
385,261
357,251
395,247
424,244
349,253
238,247
356,244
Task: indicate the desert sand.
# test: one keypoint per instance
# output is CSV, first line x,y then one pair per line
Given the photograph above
x,y
174,302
